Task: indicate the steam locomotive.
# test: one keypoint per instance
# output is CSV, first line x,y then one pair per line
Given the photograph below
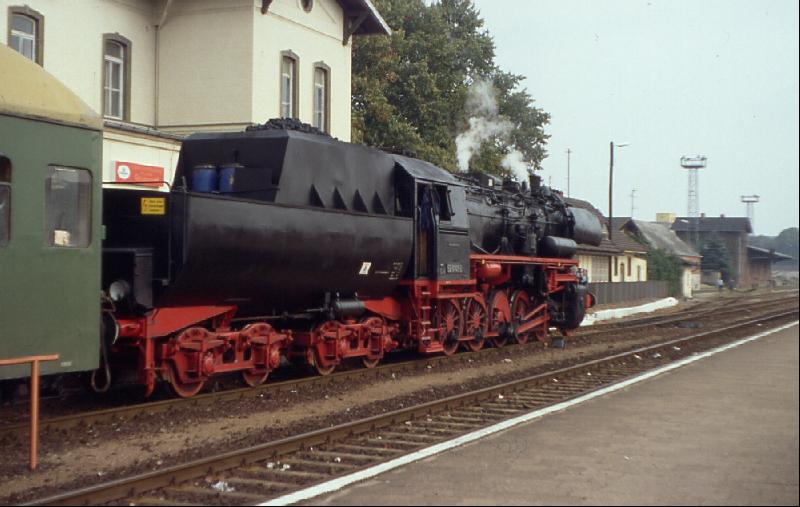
x,y
272,245
276,244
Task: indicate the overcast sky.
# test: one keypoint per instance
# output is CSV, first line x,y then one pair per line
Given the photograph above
x,y
672,77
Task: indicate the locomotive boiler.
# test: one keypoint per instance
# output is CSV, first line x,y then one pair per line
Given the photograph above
x,y
507,218
278,244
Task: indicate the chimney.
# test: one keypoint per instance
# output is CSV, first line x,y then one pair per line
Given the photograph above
x,y
665,218
702,215
722,215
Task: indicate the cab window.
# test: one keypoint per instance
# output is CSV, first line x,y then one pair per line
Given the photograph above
x,y
5,200
68,207
442,196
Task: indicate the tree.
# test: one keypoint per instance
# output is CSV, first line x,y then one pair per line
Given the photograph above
x,y
663,265
410,89
716,258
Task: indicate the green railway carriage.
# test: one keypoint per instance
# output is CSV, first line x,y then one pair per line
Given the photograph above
x,y
50,221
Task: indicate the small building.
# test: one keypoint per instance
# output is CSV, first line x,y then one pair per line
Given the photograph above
x,y
760,266
657,235
631,266
160,69
731,231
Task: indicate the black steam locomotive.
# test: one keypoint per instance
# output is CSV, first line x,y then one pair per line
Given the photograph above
x,y
274,243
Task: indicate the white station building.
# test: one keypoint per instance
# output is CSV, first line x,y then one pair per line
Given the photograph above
x,y
161,69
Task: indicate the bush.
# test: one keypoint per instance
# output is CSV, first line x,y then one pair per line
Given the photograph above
x,y
662,265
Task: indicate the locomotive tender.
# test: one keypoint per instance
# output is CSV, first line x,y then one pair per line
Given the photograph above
x,y
277,243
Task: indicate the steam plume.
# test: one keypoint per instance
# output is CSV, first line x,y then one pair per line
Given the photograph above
x,y
485,123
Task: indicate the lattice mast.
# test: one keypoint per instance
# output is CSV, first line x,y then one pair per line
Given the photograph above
x,y
693,165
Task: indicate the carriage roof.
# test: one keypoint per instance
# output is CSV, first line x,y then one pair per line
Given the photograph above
x,y
28,91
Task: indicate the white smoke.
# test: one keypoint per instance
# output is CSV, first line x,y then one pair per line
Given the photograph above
x,y
485,123
514,162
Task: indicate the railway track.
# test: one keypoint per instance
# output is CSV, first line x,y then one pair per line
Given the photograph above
x,y
275,469
148,409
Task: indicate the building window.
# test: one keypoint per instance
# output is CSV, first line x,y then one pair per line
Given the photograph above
x,y
322,96
25,28
307,5
616,267
67,207
630,261
289,85
599,270
5,200
116,77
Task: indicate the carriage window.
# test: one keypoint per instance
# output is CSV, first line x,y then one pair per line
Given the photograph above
x,y
68,207
5,200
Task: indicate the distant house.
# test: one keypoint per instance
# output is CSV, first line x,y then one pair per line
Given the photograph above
x,y
732,231
596,260
631,266
659,236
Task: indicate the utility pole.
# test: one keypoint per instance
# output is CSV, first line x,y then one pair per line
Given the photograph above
x,y
611,203
611,185
569,152
610,193
633,199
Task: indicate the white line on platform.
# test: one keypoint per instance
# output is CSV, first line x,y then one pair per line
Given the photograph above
x,y
339,483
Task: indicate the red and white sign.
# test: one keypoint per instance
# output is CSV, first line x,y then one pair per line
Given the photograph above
x,y
138,174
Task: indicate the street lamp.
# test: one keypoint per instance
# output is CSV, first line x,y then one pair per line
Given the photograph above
x,y
611,186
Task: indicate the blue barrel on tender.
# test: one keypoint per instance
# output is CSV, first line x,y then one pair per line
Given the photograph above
x,y
227,177
204,179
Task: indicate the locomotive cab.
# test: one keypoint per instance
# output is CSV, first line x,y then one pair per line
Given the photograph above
x,y
441,233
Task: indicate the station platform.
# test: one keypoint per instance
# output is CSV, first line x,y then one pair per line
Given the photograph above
x,y
722,430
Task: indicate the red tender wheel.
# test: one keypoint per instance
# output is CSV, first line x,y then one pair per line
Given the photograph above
x,y
182,389
254,378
